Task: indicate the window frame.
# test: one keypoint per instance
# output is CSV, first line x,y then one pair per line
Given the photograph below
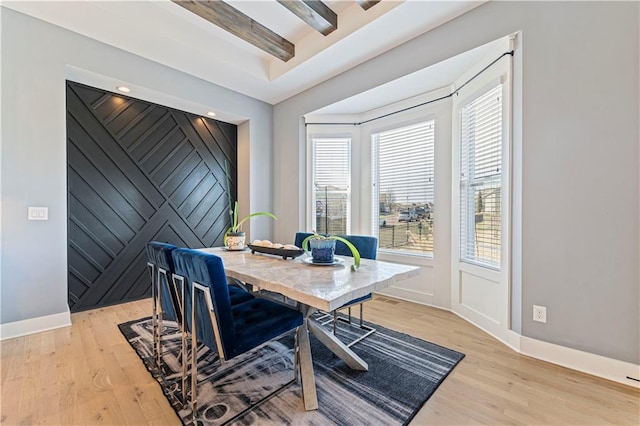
x,y
361,218
474,90
421,117
331,132
475,95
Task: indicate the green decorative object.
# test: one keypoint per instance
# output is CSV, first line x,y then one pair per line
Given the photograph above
x,y
321,238
235,232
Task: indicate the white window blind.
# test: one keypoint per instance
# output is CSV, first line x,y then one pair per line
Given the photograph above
x,y
481,179
403,176
332,185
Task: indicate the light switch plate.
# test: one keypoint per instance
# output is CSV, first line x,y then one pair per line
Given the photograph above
x,y
38,213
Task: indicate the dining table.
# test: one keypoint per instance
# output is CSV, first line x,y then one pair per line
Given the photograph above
x,y
313,287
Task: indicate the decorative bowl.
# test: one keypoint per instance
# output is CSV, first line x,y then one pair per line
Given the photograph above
x,y
284,253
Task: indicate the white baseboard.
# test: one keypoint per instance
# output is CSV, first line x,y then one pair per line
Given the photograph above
x,y
596,365
408,295
34,325
513,340
585,362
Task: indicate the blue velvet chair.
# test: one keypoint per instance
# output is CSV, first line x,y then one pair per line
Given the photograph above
x,y
237,295
160,264
167,297
229,330
166,303
368,248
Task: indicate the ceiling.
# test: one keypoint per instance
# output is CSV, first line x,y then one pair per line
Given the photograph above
x,y
165,32
430,79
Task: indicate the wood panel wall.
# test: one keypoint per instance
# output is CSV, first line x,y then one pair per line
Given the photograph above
x,y
137,172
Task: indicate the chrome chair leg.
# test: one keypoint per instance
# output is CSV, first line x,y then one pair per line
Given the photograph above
x,y
194,359
206,292
183,338
160,312
296,356
154,311
195,287
369,330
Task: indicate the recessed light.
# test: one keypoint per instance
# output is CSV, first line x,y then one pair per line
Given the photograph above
x,y
123,89
211,114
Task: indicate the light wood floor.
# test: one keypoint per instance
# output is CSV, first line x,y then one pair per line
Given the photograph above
x,y
88,374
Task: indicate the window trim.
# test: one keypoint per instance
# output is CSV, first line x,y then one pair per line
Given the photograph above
x,y
441,112
330,132
348,189
474,90
473,96
374,217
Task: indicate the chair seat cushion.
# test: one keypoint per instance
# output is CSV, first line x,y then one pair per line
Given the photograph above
x,y
238,295
356,301
258,321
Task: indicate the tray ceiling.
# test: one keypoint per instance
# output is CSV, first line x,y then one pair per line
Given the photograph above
x,y
173,35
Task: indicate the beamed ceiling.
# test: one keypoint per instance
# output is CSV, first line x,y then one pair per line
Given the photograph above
x,y
315,13
266,49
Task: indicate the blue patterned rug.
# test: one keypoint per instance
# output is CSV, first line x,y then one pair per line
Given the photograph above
x,y
403,373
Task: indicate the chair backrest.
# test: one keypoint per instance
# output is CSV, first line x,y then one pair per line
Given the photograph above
x,y
208,270
159,254
367,245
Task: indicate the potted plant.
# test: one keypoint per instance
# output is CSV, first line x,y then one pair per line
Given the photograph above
x,y
234,237
323,248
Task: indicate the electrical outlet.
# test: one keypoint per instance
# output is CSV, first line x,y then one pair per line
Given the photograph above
x,y
540,313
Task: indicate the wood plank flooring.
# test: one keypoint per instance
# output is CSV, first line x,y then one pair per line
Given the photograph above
x,y
87,374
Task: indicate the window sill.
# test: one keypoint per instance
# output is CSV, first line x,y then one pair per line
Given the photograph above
x,y
406,258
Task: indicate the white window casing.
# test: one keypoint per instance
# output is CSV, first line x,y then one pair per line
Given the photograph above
x,y
403,178
481,179
331,185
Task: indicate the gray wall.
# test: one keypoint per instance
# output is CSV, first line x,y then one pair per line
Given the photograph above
x,y
580,159
35,62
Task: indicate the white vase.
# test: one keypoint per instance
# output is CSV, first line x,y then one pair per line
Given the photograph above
x,y
235,241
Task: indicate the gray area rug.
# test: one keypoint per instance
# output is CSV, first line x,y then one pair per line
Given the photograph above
x,y
403,373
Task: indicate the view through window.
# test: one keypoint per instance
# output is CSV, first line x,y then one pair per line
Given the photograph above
x,y
331,185
481,179
403,176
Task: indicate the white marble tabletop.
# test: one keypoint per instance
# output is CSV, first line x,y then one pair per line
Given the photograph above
x,y
322,287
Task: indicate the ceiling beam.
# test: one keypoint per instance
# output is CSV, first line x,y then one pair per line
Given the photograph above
x,y
237,23
315,13
367,4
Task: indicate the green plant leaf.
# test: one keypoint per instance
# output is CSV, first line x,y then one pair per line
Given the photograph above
x,y
235,225
354,250
305,243
315,236
244,219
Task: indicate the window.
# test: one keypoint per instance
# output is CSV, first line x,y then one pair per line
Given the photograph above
x,y
481,179
331,185
403,177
